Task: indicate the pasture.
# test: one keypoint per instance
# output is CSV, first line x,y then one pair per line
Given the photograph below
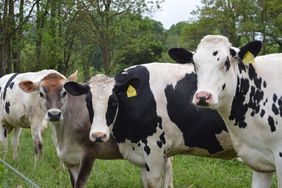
x,y
188,171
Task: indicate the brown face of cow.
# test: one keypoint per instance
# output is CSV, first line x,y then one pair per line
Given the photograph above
x,y
53,96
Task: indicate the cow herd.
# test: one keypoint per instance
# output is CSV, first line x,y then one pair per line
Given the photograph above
x,y
219,102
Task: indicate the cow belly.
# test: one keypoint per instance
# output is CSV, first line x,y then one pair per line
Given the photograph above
x,y
260,160
135,156
71,156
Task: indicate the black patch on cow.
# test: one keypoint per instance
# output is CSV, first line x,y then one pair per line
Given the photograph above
x,y
133,148
238,109
160,123
199,126
137,116
138,144
8,84
271,123
5,132
112,109
7,107
146,147
88,100
162,138
241,67
160,144
232,52
262,112
280,154
147,167
214,53
275,109
227,64
274,97
240,105
218,59
12,85
223,86
264,84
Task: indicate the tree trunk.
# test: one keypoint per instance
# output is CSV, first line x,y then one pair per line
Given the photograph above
x,y
106,57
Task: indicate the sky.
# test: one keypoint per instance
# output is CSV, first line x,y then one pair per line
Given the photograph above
x,y
174,11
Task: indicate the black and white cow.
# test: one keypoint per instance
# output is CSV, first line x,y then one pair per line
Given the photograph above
x,y
148,109
247,93
29,100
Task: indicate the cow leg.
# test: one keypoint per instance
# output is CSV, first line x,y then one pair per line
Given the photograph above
x,y
152,172
15,141
36,136
168,180
261,180
4,139
84,171
73,171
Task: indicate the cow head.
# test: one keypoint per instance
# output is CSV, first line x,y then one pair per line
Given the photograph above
x,y
100,101
51,92
216,63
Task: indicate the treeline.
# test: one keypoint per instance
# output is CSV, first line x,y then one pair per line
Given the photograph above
x,y
108,35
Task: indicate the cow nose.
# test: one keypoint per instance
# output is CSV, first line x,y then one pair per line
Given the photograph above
x,y
203,98
98,137
54,115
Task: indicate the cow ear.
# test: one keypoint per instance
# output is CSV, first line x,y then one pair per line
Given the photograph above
x,y
181,55
76,89
248,52
129,87
73,76
28,86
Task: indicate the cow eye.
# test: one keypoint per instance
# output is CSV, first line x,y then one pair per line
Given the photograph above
x,y
41,94
63,94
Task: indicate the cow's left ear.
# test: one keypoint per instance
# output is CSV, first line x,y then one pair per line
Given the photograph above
x,y
248,52
76,89
73,76
28,86
181,55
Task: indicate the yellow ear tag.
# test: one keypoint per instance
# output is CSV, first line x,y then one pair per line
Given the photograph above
x,y
248,58
131,91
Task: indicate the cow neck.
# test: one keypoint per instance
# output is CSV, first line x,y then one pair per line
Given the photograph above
x,y
247,95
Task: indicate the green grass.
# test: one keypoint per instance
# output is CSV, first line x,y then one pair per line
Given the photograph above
x,y
188,171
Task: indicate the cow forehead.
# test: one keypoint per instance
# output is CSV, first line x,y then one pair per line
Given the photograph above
x,y
212,48
53,82
101,87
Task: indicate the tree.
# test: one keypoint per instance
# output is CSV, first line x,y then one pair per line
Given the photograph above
x,y
105,17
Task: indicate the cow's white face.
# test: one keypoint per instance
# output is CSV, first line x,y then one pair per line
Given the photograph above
x,y
216,63
101,88
101,103
214,66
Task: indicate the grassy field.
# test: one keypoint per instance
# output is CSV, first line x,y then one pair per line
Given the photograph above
x,y
188,171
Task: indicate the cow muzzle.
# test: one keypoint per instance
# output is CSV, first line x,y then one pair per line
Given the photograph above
x,y
203,98
98,137
54,115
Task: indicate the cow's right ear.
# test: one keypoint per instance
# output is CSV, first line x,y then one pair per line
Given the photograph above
x,y
181,55
28,86
76,89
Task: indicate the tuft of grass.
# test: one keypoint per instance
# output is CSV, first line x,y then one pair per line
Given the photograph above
x,y
188,171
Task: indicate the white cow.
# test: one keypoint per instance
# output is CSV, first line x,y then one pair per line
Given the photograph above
x,y
247,93
24,104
